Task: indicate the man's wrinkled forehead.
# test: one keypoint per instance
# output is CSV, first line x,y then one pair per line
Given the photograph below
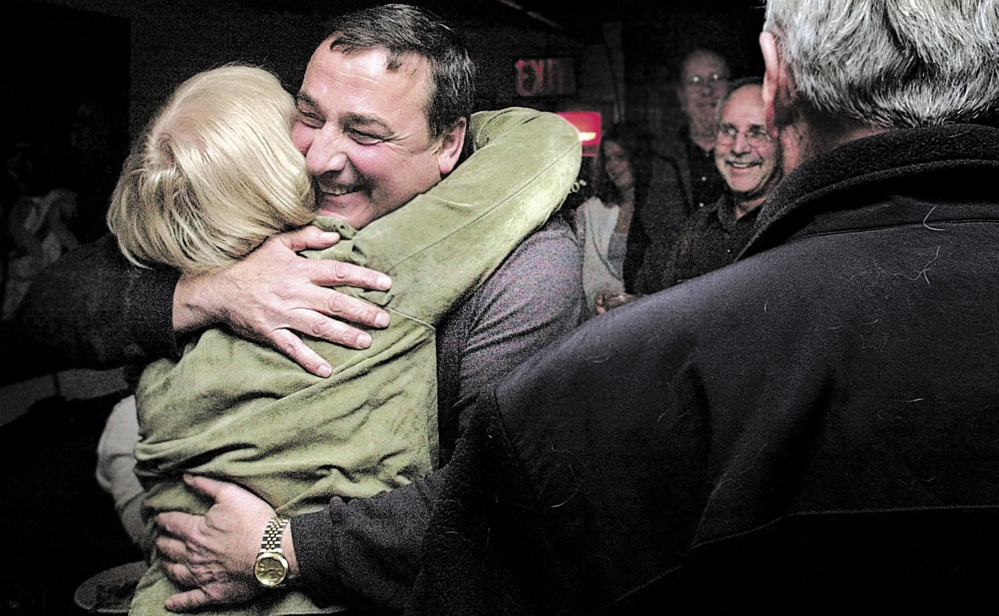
x,y
701,61
745,100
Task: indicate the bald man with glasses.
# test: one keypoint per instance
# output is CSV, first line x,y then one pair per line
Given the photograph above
x,y
750,161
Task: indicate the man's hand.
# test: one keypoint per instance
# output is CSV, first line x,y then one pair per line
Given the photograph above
x,y
213,555
607,299
274,293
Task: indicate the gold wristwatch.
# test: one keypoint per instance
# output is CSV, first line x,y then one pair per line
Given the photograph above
x,y
271,567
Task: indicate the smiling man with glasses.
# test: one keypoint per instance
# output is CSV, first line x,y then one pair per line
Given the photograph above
x,y
750,161
746,156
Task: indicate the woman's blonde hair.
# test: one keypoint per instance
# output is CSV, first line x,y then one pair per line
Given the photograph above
x,y
215,174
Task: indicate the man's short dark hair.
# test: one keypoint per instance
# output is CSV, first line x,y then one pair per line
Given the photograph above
x,y
402,30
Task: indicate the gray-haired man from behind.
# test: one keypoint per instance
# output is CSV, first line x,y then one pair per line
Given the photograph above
x,y
813,427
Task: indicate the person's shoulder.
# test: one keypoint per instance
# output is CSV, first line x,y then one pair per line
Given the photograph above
x,y
535,297
555,237
671,143
593,203
549,258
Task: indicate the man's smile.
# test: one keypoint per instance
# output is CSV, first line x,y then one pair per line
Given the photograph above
x,y
343,201
339,191
743,164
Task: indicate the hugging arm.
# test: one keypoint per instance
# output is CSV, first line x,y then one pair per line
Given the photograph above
x,y
92,308
371,548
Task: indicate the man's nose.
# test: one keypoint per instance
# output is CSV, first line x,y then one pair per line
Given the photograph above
x,y
714,88
327,152
741,145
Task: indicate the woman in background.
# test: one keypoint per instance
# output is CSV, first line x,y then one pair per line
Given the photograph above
x,y
617,185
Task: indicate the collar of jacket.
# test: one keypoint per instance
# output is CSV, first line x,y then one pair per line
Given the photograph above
x,y
902,157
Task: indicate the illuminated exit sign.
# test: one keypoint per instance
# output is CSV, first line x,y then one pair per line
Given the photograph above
x,y
545,77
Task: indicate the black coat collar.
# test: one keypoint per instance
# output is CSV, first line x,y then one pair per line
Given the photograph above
x,y
905,155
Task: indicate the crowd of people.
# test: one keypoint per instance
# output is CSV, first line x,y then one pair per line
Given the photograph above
x,y
750,163
752,364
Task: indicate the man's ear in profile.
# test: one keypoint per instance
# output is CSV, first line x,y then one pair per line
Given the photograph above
x,y
777,86
452,143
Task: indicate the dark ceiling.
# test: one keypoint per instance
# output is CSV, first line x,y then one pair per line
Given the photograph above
x,y
647,22
644,15
654,31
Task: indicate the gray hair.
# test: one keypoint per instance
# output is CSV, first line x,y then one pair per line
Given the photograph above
x,y
738,84
891,63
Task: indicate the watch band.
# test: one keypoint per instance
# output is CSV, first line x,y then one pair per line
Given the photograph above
x,y
271,567
273,533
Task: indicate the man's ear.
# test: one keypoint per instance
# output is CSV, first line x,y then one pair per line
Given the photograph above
x,y
776,86
451,144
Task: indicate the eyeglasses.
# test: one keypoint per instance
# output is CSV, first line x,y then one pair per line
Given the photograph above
x,y
755,136
706,80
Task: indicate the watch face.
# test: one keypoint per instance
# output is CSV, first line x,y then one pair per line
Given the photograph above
x,y
270,569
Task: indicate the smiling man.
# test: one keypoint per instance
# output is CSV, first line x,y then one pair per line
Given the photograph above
x,y
364,133
750,161
746,156
382,114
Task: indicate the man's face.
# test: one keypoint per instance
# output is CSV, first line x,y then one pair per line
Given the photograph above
x,y
364,132
704,81
747,157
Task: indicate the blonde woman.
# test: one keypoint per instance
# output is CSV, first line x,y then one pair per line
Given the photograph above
x,y
215,175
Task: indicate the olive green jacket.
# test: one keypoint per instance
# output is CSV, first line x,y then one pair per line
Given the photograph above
x,y
237,411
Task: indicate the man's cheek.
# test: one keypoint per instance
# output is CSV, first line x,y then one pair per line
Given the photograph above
x,y
301,136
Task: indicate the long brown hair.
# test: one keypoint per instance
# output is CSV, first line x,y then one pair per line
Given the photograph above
x,y
636,144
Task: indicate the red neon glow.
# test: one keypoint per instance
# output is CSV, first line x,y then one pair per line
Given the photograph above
x,y
588,125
